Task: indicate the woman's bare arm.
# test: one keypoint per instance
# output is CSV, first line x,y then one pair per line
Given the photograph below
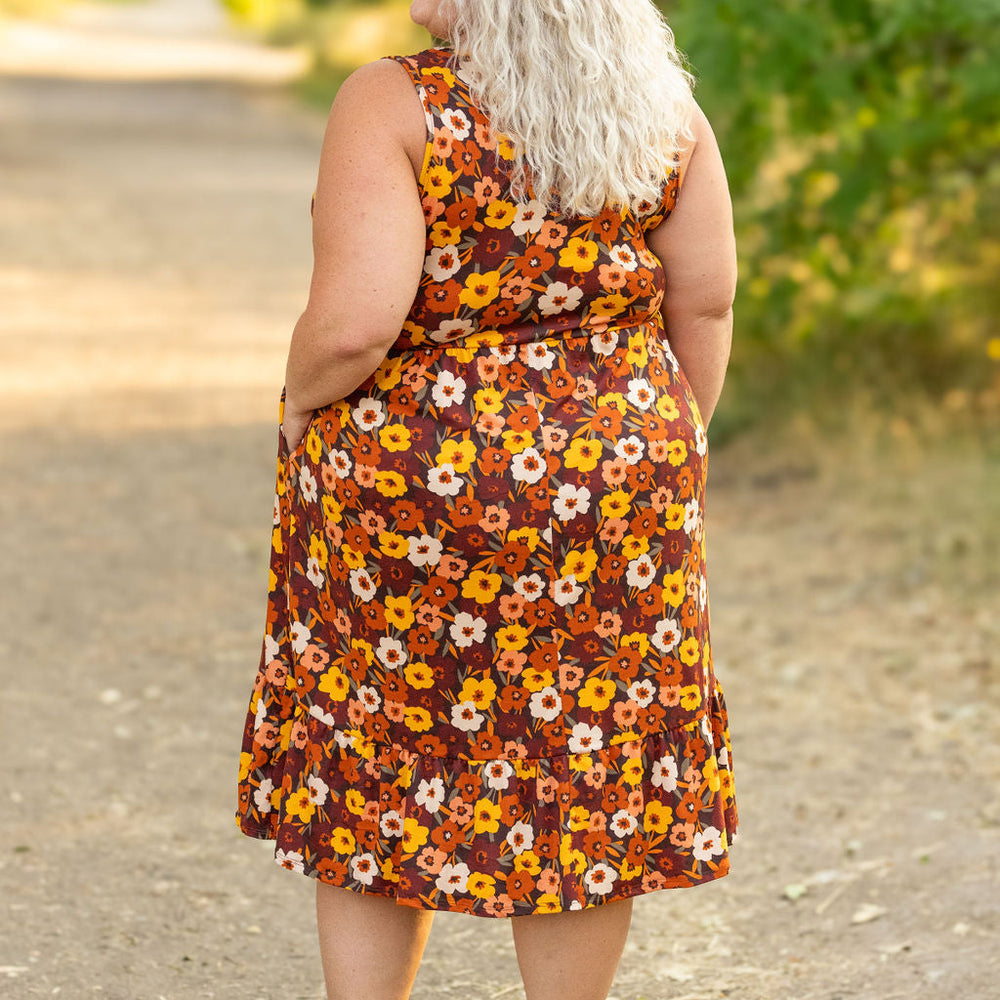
x,y
368,242
698,251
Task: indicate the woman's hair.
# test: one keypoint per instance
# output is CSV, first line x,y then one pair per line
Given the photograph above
x,y
591,94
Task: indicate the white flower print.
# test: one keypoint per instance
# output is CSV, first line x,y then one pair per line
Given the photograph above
x,y
545,704
452,329
529,587
630,448
498,773
456,121
584,738
391,652
442,262
307,484
665,773
604,343
271,647
641,572
453,878
504,352
467,629
341,462
368,414
559,297
528,219
424,550
314,574
291,860
642,692
362,584
520,837
666,635
623,256
640,393
262,796
318,789
443,480
299,636
571,500
449,390
370,698
692,511
528,466
700,441
430,794
707,844
565,590
538,356
623,823
391,823
465,717
363,867
600,879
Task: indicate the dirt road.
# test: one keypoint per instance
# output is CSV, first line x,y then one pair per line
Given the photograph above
x,y
154,254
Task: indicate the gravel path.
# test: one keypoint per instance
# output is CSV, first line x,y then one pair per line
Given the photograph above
x,y
154,254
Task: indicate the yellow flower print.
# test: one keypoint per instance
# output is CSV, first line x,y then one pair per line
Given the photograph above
x,y
579,254
390,371
690,696
570,856
438,180
319,551
657,817
414,835
446,75
335,683
579,563
389,484
487,816
666,407
675,517
547,902
416,718
635,640
246,759
399,611
333,510
314,445
505,147
461,454
636,353
388,870
615,504
633,546
512,637
394,437
673,588
342,840
629,872
596,693
632,771
393,544
418,675
615,399
481,886
500,214
610,305
479,690
533,679
581,761
480,289
583,454
443,235
710,769
482,587
528,861
354,801
530,536
515,441
488,400
688,651
352,558
677,452
300,805
579,818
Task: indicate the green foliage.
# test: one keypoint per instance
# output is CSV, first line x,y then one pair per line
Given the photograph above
x,y
859,137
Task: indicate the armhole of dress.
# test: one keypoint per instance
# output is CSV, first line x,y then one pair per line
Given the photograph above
x,y
411,71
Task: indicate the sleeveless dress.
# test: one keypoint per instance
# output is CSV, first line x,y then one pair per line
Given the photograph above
x,y
486,681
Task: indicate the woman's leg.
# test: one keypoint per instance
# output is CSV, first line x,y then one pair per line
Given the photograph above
x,y
370,945
571,955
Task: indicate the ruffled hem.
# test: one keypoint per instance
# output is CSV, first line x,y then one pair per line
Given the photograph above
x,y
506,836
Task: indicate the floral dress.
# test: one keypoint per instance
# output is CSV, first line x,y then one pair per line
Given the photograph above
x,y
486,681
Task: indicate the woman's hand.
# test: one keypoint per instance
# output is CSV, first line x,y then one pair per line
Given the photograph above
x,y
294,424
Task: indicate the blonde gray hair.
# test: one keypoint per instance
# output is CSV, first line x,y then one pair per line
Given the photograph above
x,y
592,95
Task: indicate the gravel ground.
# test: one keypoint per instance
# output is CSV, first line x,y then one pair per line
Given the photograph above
x,y
154,254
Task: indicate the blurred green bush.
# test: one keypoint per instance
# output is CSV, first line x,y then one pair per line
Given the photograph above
x,y
860,138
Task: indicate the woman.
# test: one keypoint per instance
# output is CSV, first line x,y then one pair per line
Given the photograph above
x,y
486,683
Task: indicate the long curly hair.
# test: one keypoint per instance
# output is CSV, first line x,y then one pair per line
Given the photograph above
x,y
591,94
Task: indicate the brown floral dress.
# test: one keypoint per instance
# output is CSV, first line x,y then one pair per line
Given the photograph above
x,y
486,682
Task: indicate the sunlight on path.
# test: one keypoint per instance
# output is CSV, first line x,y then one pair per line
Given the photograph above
x,y
154,40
